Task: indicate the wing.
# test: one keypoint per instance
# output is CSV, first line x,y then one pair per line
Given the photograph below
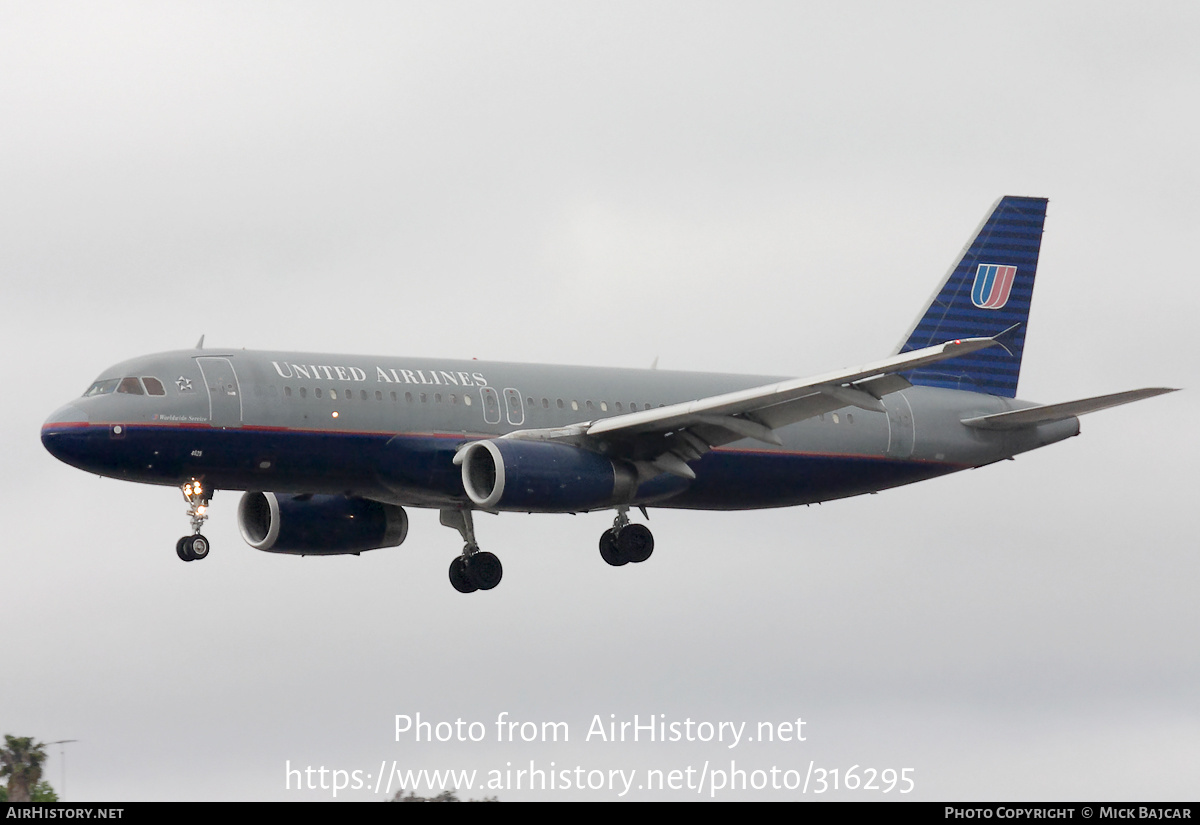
x,y
666,438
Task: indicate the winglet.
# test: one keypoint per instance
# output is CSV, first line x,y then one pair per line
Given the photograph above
x,y
1006,338
200,343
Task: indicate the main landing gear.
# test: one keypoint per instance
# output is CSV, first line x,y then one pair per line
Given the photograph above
x,y
475,569
195,546
624,542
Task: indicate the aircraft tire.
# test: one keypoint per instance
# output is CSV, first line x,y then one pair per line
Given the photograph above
x,y
484,570
459,578
609,550
635,542
181,549
198,546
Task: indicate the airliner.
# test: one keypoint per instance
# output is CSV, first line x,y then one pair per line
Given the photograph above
x,y
328,450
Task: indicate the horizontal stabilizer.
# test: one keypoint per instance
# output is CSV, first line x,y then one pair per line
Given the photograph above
x,y
1031,417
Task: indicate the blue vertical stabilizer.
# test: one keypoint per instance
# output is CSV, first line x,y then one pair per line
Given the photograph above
x,y
987,291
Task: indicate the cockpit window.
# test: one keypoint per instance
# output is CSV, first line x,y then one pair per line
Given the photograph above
x,y
102,387
130,385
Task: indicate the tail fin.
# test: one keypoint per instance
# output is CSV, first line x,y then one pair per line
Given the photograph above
x,y
987,291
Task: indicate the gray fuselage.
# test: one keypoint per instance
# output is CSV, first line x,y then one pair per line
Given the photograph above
x,y
388,428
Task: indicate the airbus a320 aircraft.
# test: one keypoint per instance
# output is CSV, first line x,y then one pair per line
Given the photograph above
x,y
329,449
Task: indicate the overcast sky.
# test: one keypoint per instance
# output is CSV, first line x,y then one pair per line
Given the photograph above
x,y
760,187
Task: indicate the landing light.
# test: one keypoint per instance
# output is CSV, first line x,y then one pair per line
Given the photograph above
x,y
335,413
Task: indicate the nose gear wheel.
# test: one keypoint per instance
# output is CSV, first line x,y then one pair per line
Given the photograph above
x,y
195,546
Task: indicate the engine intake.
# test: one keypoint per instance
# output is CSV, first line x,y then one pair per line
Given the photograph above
x,y
538,476
319,525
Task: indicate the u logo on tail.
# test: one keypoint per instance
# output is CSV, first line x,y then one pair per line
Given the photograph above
x,y
993,282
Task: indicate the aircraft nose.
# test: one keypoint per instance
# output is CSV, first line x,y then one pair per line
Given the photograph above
x,y
61,422
70,414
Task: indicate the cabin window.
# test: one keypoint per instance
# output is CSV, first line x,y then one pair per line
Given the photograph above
x,y
545,403
437,398
560,403
153,385
304,392
590,406
287,391
529,401
408,398
575,405
836,420
132,386
603,406
467,400
633,406
453,398
618,406
378,395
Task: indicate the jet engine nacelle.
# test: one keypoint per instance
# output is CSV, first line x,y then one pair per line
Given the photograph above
x,y
539,476
319,525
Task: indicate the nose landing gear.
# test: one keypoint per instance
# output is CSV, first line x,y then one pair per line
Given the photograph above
x,y
195,546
